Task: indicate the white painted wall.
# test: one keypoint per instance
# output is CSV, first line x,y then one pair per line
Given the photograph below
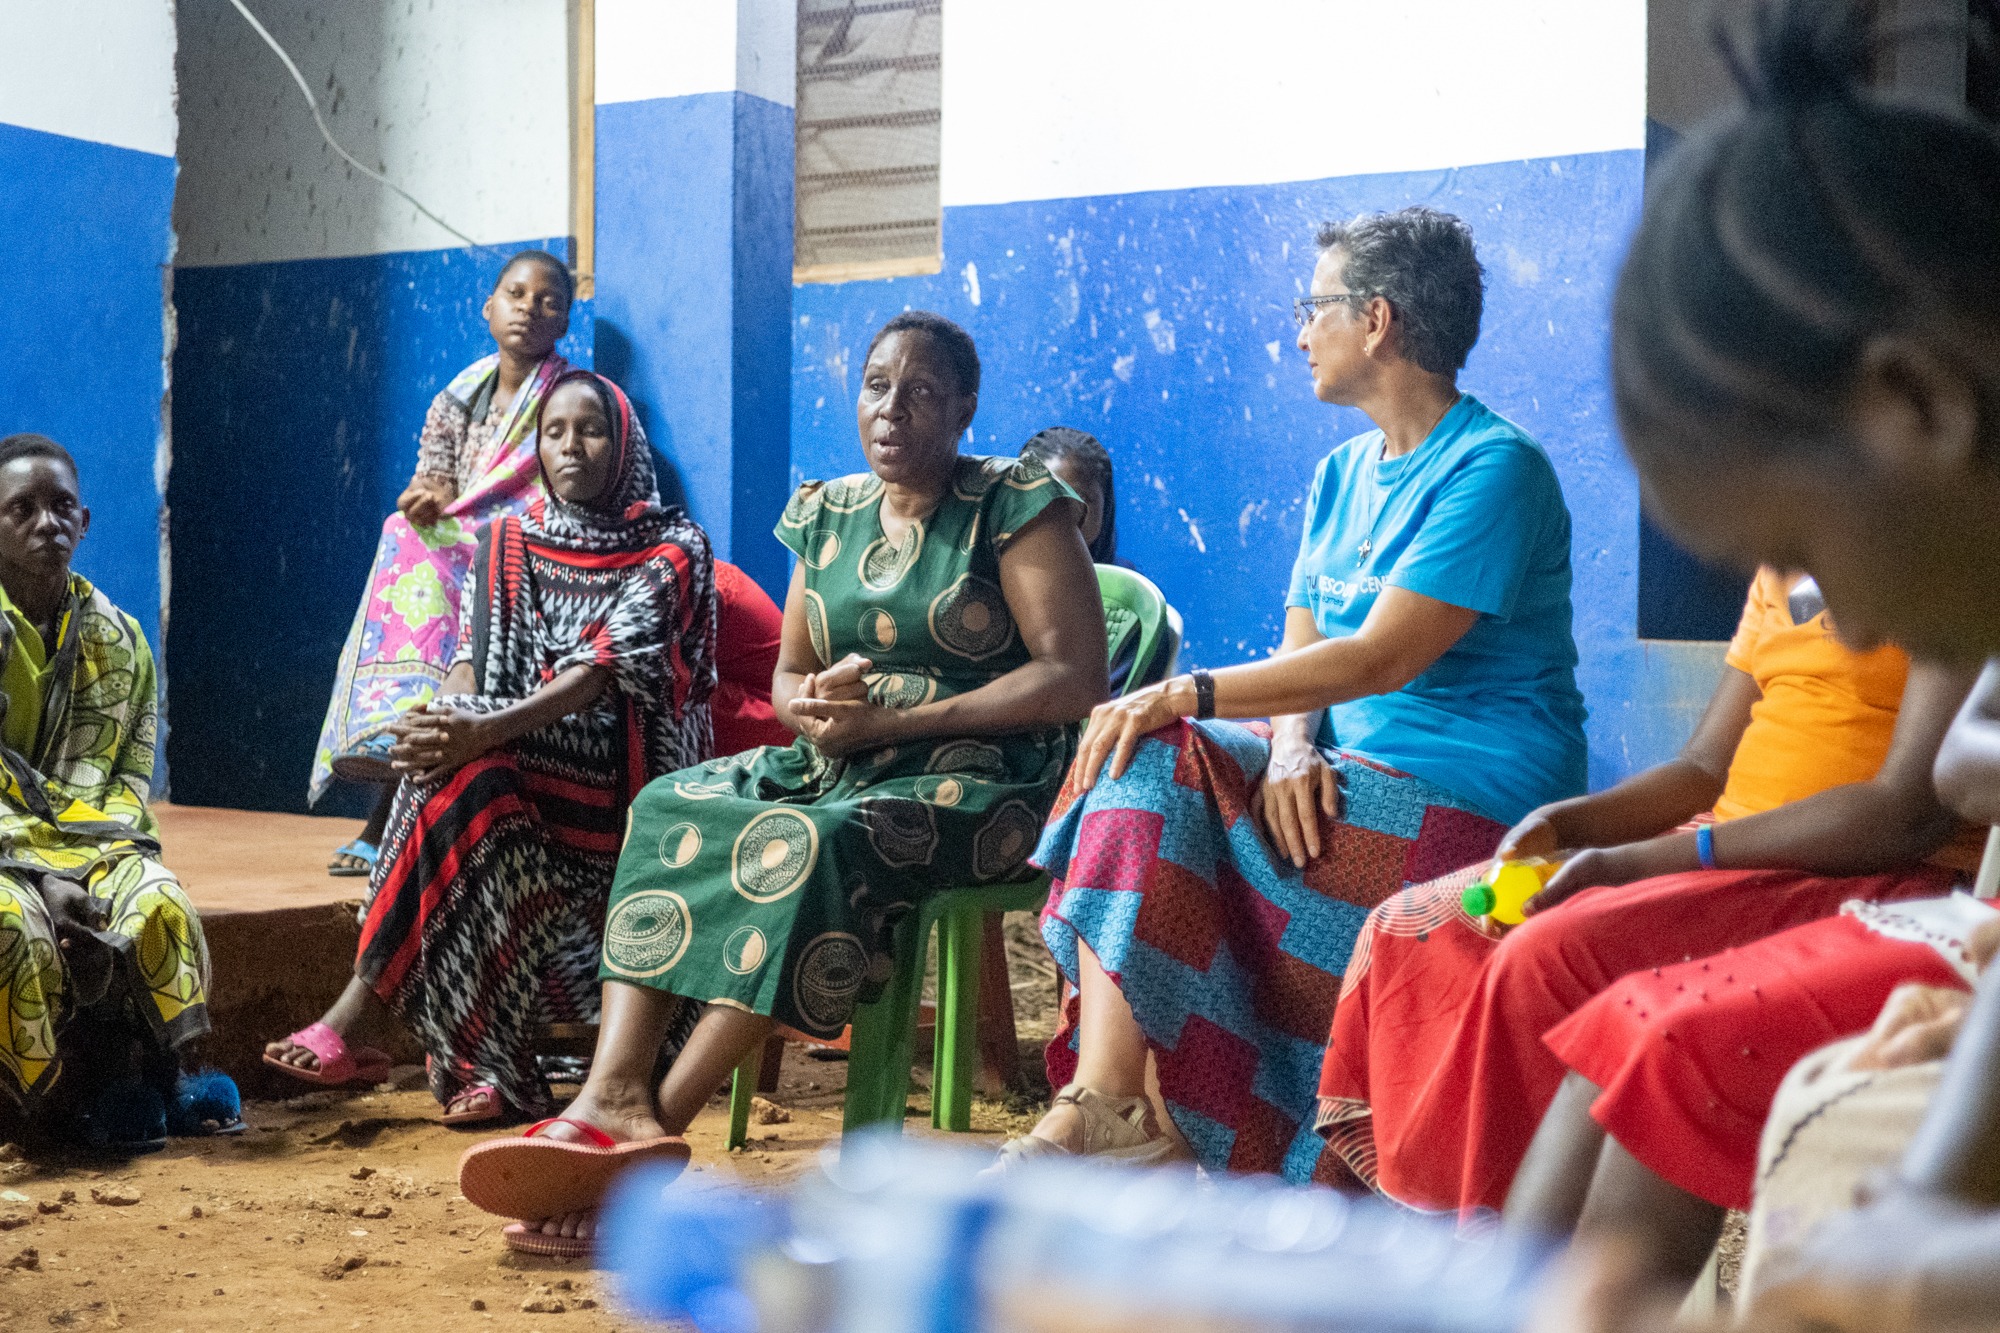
x,y
464,103
675,48
1686,81
1047,99
101,70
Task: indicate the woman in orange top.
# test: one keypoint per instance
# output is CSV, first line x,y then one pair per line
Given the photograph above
x,y
1809,781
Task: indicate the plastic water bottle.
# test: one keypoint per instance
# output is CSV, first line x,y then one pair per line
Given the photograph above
x,y
899,1236
1503,891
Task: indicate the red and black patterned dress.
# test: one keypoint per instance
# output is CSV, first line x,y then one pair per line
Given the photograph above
x,y
486,911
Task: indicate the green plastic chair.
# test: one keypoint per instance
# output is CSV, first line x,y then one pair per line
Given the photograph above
x,y
1133,604
881,1043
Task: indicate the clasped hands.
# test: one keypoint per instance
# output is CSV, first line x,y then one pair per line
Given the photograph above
x,y
423,500
435,738
831,709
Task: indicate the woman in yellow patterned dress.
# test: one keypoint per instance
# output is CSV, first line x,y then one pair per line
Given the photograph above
x,y
943,636
96,936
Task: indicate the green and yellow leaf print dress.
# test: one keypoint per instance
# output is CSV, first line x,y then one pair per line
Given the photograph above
x,y
772,880
75,802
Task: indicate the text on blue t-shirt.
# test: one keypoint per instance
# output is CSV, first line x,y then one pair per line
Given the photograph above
x,y
1473,516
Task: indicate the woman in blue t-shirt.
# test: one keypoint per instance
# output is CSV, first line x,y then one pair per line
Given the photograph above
x,y
1208,889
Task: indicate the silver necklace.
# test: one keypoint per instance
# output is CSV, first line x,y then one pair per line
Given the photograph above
x,y
1367,546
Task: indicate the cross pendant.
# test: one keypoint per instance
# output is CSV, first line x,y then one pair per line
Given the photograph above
x,y
1361,552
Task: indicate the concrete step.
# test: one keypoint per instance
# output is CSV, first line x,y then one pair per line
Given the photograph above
x,y
281,931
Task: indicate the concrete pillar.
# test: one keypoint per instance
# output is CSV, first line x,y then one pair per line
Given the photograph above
x,y
694,250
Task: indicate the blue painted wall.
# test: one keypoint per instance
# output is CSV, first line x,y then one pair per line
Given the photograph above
x,y
1161,323
694,298
90,228
299,389
761,308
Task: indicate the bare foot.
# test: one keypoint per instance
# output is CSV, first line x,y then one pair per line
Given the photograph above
x,y
479,1104
290,1052
570,1226
625,1111
349,863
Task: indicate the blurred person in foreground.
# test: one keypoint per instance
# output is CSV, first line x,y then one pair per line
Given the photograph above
x,y
1806,356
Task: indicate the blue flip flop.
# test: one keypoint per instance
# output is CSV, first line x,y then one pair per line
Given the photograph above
x,y
367,761
360,851
206,1104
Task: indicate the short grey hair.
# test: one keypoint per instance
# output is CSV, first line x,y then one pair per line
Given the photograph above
x,y
1423,263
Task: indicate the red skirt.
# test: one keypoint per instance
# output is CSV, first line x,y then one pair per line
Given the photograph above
x,y
1690,1056
1436,1075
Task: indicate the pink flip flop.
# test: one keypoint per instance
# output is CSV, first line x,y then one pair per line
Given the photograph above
x,y
531,1177
338,1062
523,1239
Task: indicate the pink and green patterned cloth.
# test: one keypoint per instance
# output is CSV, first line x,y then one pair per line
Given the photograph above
x,y
405,631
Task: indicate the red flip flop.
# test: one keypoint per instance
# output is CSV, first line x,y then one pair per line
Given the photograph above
x,y
532,1177
522,1239
339,1063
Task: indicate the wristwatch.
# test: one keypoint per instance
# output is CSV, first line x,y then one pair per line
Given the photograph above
x,y
1204,694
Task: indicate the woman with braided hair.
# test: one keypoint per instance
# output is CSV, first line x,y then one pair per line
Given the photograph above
x,y
1806,360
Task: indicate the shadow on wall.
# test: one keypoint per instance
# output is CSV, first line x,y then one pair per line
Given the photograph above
x,y
299,390
618,359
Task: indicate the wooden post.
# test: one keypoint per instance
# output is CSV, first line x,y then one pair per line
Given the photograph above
x,y
583,149
774,1059
999,1047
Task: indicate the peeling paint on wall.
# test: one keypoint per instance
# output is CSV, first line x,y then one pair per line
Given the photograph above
x,y
1179,357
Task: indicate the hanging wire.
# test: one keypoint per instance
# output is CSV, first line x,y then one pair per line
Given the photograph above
x,y
334,143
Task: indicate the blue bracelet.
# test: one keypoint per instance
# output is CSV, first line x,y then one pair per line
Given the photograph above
x,y
1704,846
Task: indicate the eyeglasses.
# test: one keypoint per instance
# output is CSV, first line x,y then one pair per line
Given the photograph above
x,y
1304,308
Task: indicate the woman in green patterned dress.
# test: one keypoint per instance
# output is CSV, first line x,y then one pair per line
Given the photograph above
x,y
943,637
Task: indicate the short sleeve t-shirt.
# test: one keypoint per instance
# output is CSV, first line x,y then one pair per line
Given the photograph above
x,y
1473,516
1826,715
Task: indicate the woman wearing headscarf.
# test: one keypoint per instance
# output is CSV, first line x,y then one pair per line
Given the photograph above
x,y
475,463
584,669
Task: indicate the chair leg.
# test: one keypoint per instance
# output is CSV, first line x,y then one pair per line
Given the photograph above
x,y
999,1043
879,1044
742,1087
955,1055
772,1064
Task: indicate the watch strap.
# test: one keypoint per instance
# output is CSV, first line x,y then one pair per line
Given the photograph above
x,y
1204,694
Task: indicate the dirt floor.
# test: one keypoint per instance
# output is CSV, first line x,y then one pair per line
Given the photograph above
x,y
341,1210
